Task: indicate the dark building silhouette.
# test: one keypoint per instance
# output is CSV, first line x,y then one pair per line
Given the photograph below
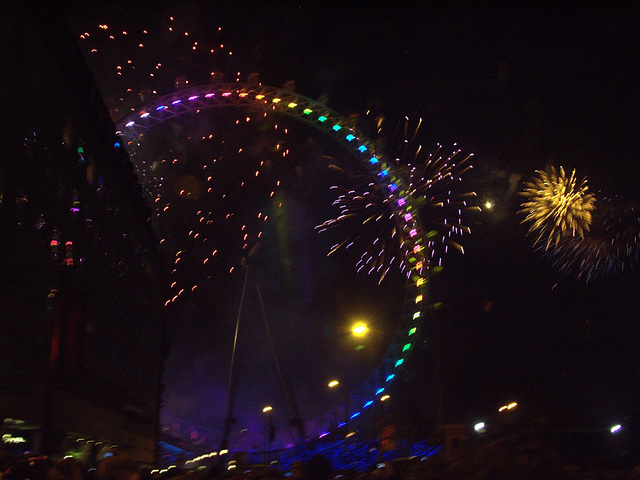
x,y
81,327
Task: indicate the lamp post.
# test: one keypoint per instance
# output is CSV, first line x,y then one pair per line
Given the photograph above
x,y
364,347
268,425
345,392
384,408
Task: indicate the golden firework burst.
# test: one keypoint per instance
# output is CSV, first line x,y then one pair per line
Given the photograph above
x,y
557,206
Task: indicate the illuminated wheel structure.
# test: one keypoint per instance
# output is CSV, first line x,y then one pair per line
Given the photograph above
x,y
340,129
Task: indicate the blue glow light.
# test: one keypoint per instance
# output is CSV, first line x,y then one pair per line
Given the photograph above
x,y
373,160
336,127
350,137
390,377
354,415
116,145
362,148
393,187
399,362
322,118
368,404
380,390
161,107
384,173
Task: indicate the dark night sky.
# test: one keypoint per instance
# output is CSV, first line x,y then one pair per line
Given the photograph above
x,y
522,88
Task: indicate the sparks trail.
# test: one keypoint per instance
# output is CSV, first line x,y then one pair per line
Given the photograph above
x,y
136,64
214,190
434,180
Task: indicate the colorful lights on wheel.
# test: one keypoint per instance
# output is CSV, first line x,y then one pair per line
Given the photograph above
x,y
318,115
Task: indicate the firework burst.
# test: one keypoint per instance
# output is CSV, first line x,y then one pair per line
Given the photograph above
x,y
434,180
557,206
365,213
612,246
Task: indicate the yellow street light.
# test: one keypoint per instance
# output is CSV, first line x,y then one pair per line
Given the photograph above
x,y
333,383
359,329
384,398
267,409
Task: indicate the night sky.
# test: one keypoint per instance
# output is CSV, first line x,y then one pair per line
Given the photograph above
x,y
522,89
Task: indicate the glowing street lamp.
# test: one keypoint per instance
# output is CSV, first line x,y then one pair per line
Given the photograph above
x,y
360,329
334,384
269,429
384,405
